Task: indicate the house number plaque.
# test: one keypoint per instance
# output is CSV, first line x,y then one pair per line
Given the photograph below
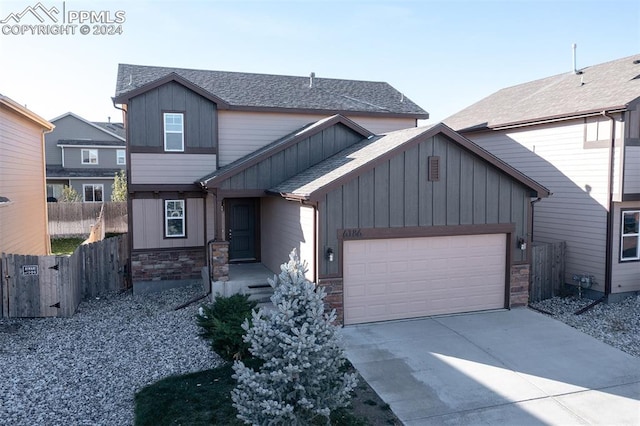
x,y
29,269
352,233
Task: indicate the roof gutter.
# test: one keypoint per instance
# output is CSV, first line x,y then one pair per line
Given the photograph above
x,y
608,275
554,118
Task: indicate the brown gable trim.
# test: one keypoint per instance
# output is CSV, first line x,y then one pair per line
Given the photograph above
x,y
304,134
172,77
540,190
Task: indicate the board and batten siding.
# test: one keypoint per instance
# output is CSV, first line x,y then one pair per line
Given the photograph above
x,y
242,133
398,194
148,224
625,276
576,212
287,225
294,159
146,123
170,168
23,221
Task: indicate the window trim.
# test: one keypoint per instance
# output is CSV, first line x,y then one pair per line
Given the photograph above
x,y
165,131
94,185
166,218
89,150
123,158
623,236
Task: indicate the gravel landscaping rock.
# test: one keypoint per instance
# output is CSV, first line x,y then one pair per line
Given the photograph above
x,y
617,324
86,369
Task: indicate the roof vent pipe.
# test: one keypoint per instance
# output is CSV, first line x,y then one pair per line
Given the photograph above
x,y
575,67
311,77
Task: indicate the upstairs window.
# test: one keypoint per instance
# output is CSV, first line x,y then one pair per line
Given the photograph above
x,y
173,131
121,159
630,236
89,156
174,219
92,193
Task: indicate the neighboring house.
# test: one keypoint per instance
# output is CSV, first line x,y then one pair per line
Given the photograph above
x,y
84,155
23,208
393,220
579,135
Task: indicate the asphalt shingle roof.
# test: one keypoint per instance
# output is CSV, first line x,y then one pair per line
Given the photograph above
x,y
81,142
600,87
345,162
60,172
116,128
247,90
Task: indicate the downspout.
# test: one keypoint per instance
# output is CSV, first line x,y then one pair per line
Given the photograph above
x,y
609,247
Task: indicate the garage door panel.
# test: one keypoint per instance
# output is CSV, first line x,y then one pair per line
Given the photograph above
x,y
412,277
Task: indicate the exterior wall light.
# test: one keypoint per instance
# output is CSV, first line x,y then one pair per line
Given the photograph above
x,y
522,244
330,254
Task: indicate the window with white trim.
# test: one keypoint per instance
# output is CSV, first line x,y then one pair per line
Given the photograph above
x,y
89,156
630,236
174,218
173,131
92,193
121,158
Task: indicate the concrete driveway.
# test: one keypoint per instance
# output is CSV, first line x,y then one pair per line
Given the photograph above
x,y
514,367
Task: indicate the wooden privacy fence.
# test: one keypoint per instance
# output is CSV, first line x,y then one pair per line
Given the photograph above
x,y
547,270
53,286
76,219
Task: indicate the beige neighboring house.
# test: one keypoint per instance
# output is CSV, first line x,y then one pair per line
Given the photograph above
x,y
23,207
578,134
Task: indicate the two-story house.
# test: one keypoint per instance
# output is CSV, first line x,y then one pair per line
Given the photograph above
x,y
85,156
578,134
23,209
394,220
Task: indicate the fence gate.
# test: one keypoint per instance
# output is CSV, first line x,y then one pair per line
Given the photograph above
x,y
30,286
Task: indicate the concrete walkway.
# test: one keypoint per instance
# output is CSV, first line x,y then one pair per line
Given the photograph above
x,y
514,367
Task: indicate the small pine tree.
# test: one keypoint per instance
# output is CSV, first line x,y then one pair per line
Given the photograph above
x,y
301,377
119,187
70,195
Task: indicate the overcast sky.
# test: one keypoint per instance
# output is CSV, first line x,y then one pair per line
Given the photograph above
x,y
444,55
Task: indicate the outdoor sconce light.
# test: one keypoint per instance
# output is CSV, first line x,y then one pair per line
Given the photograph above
x,y
522,244
330,254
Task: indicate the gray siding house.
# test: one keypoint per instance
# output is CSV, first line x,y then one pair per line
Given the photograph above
x,y
235,167
85,156
23,209
579,135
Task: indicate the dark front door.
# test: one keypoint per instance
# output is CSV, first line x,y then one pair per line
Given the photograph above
x,y
241,216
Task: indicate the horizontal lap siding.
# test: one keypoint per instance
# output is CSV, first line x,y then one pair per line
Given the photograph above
x,y
397,194
242,133
625,275
170,168
632,170
107,158
23,223
553,155
148,224
287,225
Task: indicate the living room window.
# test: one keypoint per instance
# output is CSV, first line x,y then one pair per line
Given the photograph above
x,y
92,193
89,156
121,158
630,236
174,225
173,131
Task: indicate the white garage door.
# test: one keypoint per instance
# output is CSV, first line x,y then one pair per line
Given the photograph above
x,y
413,277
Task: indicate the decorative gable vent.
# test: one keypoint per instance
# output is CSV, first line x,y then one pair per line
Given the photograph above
x,y
434,169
